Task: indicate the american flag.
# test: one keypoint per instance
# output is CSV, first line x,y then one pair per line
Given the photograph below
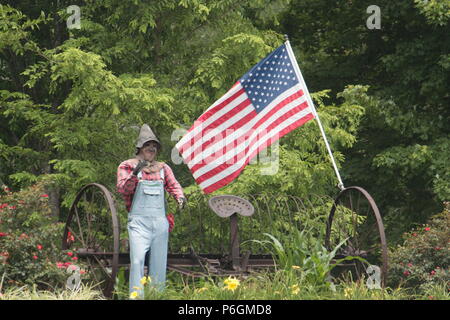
x,y
266,103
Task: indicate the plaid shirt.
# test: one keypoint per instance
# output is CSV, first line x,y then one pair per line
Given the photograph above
x,y
127,182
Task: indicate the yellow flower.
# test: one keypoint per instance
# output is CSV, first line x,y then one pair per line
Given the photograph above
x,y
145,280
376,294
137,288
348,292
133,295
232,283
296,267
295,289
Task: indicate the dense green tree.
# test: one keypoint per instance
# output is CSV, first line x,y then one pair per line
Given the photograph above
x,y
71,100
402,151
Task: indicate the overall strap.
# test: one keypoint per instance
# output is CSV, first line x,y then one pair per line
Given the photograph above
x,y
161,173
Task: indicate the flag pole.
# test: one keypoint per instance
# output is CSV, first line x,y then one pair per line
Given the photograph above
x,y
316,115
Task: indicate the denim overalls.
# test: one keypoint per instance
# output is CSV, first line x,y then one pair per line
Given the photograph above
x,y
148,229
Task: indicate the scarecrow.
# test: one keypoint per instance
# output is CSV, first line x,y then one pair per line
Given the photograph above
x,y
142,181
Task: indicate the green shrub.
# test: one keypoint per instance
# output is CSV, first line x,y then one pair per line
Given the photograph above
x,y
30,241
424,257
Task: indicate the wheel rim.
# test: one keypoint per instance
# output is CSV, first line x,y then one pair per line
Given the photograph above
x,y
94,234
355,215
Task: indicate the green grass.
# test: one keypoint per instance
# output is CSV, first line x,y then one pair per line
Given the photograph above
x,y
283,285
279,285
26,293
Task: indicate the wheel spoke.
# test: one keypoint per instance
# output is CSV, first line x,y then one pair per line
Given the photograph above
x,y
80,228
88,218
101,264
93,269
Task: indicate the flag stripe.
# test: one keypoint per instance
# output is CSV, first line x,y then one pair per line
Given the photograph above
x,y
210,144
234,107
227,179
279,113
213,113
236,138
211,169
228,121
253,123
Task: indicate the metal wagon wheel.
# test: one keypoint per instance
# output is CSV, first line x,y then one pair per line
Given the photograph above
x,y
92,231
355,216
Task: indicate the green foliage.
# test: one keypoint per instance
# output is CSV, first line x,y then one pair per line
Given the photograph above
x,y
26,293
423,259
72,101
437,12
301,165
27,209
197,227
281,285
405,64
30,242
301,251
25,264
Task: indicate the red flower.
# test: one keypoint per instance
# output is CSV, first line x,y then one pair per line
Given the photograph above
x,y
35,257
44,195
74,258
433,273
39,247
70,254
427,229
82,271
60,265
437,248
2,234
406,273
12,207
414,234
410,265
23,236
66,264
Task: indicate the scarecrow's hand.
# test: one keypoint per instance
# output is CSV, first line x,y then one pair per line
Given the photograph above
x,y
181,202
139,166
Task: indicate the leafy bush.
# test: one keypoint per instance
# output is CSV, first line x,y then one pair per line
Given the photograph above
x,y
30,241
423,259
24,210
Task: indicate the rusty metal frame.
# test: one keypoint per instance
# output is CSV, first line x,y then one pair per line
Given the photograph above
x,y
379,221
210,264
113,256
